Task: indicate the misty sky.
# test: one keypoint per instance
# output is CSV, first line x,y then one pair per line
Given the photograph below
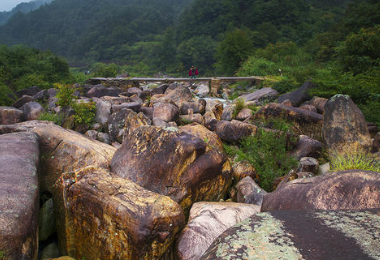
x,y
7,5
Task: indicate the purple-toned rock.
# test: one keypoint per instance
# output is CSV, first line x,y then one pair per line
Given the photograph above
x,y
23,100
197,107
308,147
244,114
207,221
319,103
260,95
353,189
247,191
31,91
192,118
234,131
19,195
101,91
32,110
228,113
309,108
103,111
166,111
299,95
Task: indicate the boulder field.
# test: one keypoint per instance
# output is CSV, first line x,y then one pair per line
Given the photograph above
x,y
151,179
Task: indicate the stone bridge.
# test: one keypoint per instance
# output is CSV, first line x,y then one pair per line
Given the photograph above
x,y
214,82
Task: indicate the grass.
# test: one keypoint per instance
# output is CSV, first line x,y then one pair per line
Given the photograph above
x,y
354,160
56,118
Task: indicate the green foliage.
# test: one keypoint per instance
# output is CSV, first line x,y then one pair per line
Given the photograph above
x,y
350,160
56,118
266,151
65,95
5,100
239,105
104,70
360,51
84,113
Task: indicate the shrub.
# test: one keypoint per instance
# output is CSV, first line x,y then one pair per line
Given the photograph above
x,y
350,160
239,105
84,113
266,151
65,95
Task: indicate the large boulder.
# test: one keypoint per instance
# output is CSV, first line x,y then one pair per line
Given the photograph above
x,y
234,131
308,147
301,235
353,189
10,115
193,107
260,95
298,96
166,111
103,111
344,125
22,100
179,95
305,122
247,191
210,138
65,151
206,222
106,217
124,122
180,166
19,195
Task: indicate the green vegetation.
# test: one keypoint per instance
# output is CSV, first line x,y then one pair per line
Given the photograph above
x,y
350,160
65,95
239,105
84,113
266,151
56,118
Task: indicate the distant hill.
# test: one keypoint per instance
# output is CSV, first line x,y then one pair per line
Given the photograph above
x,y
24,8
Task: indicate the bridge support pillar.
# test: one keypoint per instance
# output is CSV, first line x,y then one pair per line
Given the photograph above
x,y
216,84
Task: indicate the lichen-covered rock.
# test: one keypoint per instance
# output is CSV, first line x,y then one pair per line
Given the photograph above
x,y
175,164
106,217
193,107
301,235
210,138
10,115
192,118
124,122
243,169
353,189
19,196
305,122
344,125
206,222
228,112
244,114
234,131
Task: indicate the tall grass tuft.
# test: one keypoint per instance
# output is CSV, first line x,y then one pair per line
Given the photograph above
x,y
354,160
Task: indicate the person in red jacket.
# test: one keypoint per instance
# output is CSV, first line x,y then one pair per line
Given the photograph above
x,y
193,72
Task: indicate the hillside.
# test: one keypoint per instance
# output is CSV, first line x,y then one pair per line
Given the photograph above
x,y
23,8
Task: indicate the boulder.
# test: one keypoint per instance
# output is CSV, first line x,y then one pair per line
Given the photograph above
x,y
160,123
353,189
23,100
260,95
305,122
206,222
202,90
10,115
197,118
210,120
134,106
124,122
31,91
193,107
247,191
298,96
46,221
244,114
179,95
19,195
106,217
300,235
160,89
180,165
376,143
308,164
243,169
234,131
65,151
318,103
372,129
166,111
210,138
134,91
101,91
148,112
345,128
228,113
32,110
309,108
92,134
103,111
104,138
308,147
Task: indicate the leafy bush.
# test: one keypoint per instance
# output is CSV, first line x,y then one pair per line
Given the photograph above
x,y
266,151
65,95
84,113
350,160
239,105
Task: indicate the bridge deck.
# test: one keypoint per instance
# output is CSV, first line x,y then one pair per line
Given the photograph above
x,y
177,79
